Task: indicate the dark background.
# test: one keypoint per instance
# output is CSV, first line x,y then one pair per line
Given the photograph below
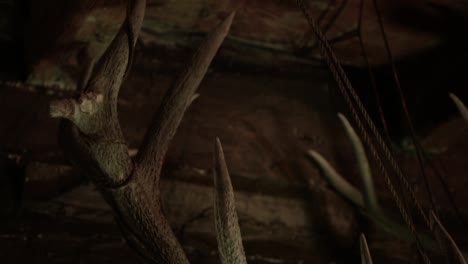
x,y
269,98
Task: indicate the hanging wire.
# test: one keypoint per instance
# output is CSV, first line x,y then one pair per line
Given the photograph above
x,y
421,155
370,73
404,106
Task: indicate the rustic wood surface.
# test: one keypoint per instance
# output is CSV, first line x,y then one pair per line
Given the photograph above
x,y
63,39
267,97
287,213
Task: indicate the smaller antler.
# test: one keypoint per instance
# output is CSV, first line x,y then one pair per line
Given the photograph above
x,y
367,201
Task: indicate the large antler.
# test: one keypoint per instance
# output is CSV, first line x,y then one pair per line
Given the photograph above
x,y
94,140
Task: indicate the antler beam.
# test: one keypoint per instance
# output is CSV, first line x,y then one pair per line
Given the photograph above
x,y
92,138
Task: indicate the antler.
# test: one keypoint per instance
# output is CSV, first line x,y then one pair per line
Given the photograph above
x,y
228,233
93,139
365,252
460,106
367,201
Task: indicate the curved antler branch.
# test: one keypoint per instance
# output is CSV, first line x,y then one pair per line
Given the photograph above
x,y
175,102
370,199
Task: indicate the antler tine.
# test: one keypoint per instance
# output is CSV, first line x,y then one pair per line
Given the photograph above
x,y
135,16
453,252
460,106
228,232
175,102
365,252
370,199
110,70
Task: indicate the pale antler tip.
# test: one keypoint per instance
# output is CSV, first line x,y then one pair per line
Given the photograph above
x,y
225,26
194,97
312,153
362,239
365,252
218,146
230,18
218,155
